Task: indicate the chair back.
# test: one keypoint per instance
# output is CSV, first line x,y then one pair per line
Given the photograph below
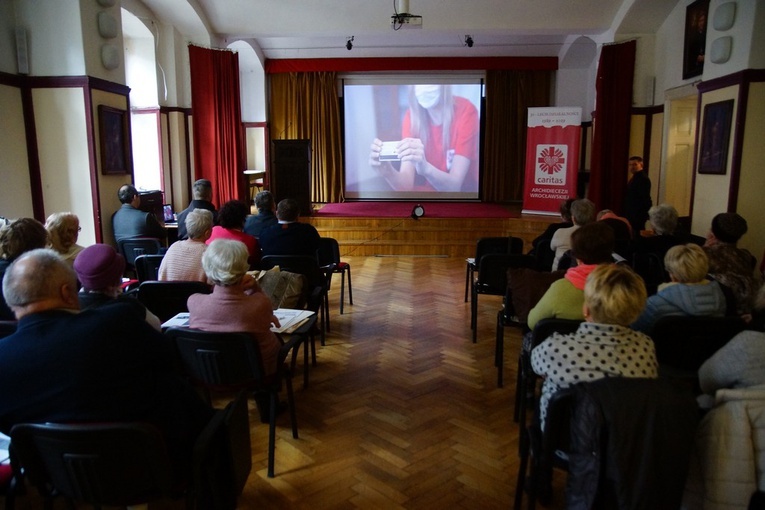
x,y
7,328
650,267
218,361
132,248
328,252
487,245
110,464
515,245
492,271
544,255
316,279
167,299
147,267
685,343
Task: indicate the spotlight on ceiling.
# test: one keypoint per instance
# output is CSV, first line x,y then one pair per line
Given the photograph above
x,y
349,43
469,41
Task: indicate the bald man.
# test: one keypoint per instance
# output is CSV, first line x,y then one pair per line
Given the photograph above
x,y
99,365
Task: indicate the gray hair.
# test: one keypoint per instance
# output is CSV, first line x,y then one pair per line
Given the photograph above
x,y
62,228
39,279
198,222
202,189
583,212
225,262
663,218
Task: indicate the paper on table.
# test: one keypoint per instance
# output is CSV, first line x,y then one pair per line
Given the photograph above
x,y
290,319
180,320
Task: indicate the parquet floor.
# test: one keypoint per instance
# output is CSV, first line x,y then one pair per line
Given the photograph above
x,y
402,411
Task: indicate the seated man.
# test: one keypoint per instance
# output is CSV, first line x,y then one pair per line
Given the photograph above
x,y
663,219
582,213
689,293
202,200
183,260
289,237
99,365
255,224
129,221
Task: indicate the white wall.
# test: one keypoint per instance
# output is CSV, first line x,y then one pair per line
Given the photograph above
x,y
742,33
14,168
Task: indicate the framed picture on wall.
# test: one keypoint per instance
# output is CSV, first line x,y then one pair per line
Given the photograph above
x,y
115,145
715,137
695,38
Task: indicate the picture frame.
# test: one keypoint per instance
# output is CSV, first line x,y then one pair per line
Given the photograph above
x,y
715,137
114,140
696,16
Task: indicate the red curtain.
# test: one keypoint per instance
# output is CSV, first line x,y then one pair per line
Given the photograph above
x,y
219,153
610,145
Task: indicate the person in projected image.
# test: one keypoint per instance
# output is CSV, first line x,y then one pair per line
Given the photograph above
x,y
439,146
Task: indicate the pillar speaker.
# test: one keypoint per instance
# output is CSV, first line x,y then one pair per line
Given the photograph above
x,y
291,172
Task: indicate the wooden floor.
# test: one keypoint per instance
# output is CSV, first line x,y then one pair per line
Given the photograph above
x,y
402,410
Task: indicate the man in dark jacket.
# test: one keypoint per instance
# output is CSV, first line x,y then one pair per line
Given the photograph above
x,y
255,224
129,221
202,200
638,198
289,237
99,365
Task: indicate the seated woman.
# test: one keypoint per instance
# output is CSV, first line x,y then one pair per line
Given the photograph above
x,y
604,345
16,238
688,293
591,244
236,305
183,260
99,270
231,218
663,219
63,229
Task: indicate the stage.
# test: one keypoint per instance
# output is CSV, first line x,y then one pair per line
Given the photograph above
x,y
447,229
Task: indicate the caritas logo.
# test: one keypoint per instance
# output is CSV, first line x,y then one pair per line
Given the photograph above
x,y
550,165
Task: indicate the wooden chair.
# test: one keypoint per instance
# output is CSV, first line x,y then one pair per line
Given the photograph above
x,y
231,362
492,279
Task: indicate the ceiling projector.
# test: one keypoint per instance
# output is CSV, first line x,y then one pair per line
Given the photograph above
x,y
402,19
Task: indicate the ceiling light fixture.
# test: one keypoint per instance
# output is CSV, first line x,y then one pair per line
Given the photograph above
x,y
349,43
469,41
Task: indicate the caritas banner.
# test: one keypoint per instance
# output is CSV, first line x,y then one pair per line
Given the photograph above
x,y
552,158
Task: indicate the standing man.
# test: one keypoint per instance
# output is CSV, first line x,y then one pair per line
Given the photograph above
x,y
638,198
202,192
255,224
129,221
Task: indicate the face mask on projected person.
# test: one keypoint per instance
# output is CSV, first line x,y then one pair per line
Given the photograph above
x,y
424,140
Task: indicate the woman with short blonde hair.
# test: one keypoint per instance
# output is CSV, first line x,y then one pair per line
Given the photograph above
x,y
686,263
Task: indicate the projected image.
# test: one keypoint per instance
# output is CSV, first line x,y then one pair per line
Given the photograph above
x,y
412,141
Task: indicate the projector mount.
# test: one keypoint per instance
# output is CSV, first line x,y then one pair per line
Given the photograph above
x,y
401,17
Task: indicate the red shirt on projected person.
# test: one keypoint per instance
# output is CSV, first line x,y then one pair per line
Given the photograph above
x,y
429,160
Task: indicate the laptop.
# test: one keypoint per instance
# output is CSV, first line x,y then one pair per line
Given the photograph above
x,y
169,216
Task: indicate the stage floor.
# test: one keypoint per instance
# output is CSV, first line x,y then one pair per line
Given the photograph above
x,y
432,210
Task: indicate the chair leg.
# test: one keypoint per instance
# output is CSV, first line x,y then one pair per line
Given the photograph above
x,y
467,280
499,349
523,450
342,291
474,314
326,308
272,432
291,405
519,396
350,287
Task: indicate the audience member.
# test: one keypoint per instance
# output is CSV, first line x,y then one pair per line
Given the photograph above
x,y
202,192
730,265
591,245
565,216
688,293
663,236
183,260
582,213
604,345
99,270
230,226
98,365
63,229
637,200
237,304
129,221
738,364
622,233
16,238
264,201
289,237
